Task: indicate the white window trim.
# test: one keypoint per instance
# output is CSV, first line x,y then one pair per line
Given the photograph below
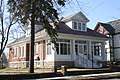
x,y
21,52
36,46
93,49
78,25
67,48
82,44
16,52
50,48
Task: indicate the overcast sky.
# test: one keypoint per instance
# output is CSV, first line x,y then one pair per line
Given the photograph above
x,y
95,10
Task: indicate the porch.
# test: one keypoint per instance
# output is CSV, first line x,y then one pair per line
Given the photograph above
x,y
84,53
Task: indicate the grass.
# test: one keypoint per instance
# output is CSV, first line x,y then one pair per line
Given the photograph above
x,y
11,70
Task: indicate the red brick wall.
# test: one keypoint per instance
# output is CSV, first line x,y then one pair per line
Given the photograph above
x,y
41,52
27,51
44,50
101,30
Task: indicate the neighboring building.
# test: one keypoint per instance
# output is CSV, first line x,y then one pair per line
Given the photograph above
x,y
3,61
111,29
77,46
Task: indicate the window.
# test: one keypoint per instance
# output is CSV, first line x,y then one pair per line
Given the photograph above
x,y
80,42
57,48
76,49
75,25
63,47
23,51
49,48
15,52
79,26
36,44
99,31
80,47
96,48
83,26
20,52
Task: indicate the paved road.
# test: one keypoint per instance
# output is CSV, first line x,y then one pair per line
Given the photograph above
x,y
83,76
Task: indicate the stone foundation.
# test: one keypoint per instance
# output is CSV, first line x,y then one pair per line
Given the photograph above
x,y
18,64
42,64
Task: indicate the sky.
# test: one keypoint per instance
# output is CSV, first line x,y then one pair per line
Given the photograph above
x,y
95,10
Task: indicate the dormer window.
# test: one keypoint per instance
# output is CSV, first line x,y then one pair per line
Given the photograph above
x,y
83,26
75,25
79,26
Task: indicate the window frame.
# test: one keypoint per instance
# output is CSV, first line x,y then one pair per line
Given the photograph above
x,y
36,46
81,27
61,46
49,49
82,44
75,25
15,52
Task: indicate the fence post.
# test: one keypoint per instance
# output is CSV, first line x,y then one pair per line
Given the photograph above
x,y
64,69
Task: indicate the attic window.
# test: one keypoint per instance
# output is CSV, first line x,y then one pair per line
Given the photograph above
x,y
75,25
83,26
79,26
99,31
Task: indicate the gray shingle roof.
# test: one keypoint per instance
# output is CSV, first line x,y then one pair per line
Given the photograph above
x,y
68,18
116,25
63,28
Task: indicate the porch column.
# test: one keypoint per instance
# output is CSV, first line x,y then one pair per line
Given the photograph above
x,y
103,54
89,48
73,55
90,64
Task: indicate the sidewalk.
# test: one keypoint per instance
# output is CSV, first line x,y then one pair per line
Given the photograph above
x,y
86,77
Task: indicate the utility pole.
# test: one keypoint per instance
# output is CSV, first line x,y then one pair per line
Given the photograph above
x,y
31,65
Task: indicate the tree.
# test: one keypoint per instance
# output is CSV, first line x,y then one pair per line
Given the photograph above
x,y
6,23
36,10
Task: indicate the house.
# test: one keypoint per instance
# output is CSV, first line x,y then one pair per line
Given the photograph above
x,y
111,29
3,61
77,46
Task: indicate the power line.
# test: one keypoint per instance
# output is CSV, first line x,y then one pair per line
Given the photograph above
x,y
79,6
96,6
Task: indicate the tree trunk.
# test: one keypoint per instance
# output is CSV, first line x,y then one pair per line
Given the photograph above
x,y
31,65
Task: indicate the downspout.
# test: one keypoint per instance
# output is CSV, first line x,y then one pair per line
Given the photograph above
x,y
110,47
113,48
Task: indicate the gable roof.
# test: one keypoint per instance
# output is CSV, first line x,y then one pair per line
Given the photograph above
x,y
68,18
116,25
63,28
106,26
